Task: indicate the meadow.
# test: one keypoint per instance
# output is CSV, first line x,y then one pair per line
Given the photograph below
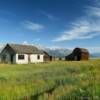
x,y
59,80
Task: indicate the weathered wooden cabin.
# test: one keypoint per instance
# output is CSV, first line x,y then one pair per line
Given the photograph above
x,y
21,54
47,57
78,54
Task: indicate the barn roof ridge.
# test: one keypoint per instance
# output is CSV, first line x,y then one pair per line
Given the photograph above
x,y
82,49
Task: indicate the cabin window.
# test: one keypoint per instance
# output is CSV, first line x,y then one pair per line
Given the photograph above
x,y
20,57
38,57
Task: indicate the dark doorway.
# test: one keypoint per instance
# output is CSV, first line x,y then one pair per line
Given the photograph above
x,y
78,57
50,58
11,58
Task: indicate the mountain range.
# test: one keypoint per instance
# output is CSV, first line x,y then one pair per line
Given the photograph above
x,y
95,55
60,52
65,52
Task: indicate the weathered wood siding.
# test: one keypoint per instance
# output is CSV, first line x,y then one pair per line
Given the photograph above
x,y
78,54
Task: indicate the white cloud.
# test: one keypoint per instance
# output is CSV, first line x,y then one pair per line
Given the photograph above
x,y
34,41
25,42
33,26
86,27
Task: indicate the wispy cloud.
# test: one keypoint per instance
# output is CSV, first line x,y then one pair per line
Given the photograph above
x,y
94,49
49,16
34,41
93,11
86,27
33,26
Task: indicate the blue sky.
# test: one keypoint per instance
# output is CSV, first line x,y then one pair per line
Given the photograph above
x,y
51,23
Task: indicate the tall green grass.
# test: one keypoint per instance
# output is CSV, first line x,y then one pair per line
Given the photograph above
x,y
60,80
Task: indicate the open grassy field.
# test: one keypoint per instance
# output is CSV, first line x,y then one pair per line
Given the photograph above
x,y
51,81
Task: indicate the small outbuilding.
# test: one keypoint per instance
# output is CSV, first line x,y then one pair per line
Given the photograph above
x,y
47,57
78,54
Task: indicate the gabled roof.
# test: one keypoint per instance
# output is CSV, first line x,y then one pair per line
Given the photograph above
x,y
82,50
25,49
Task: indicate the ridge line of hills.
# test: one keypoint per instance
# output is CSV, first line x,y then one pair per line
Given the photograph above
x,y
59,52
